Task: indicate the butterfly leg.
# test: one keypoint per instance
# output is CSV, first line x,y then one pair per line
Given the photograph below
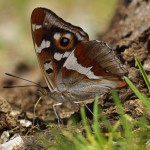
x,y
78,102
56,114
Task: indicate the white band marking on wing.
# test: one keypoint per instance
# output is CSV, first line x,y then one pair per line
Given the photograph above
x,y
72,64
44,44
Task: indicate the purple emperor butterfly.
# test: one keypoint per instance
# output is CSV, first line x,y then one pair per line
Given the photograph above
x,y
74,68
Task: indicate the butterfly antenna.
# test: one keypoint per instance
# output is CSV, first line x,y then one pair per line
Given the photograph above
x,y
14,76
16,86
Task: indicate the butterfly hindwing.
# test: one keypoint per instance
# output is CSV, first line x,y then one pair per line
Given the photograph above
x,y
91,69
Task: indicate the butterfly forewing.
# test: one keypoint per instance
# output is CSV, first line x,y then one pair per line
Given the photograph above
x,y
54,40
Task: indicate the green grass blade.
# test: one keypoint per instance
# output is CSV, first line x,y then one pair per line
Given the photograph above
x,y
147,81
85,123
34,111
87,128
118,103
111,137
140,95
96,127
125,123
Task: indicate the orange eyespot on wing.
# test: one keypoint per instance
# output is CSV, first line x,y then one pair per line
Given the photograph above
x,y
64,41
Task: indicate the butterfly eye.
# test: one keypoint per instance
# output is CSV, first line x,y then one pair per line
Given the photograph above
x,y
64,41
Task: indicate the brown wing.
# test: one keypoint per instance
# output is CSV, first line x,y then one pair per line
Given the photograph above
x,y
92,68
50,34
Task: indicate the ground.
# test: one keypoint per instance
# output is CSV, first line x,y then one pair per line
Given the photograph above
x,y
128,35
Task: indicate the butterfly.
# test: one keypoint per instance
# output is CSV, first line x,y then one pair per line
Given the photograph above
x,y
74,68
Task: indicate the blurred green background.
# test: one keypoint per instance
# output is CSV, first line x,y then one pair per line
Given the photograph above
x,y
15,36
